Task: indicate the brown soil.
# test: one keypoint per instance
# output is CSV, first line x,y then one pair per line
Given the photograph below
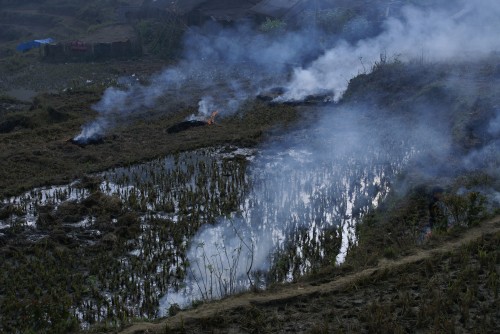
x,y
393,296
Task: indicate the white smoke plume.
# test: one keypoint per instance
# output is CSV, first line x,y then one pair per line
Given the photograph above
x,y
227,65
466,32
205,107
342,156
222,260
231,65
321,177
117,103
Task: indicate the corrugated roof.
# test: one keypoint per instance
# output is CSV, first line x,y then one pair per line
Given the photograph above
x,y
275,8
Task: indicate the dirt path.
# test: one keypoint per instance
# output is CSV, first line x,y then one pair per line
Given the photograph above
x,y
294,291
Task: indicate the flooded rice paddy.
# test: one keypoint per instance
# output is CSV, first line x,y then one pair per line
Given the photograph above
x,y
204,224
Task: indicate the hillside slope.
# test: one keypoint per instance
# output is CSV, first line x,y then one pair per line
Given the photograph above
x,y
452,287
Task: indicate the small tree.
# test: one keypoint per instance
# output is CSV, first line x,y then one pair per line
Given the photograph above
x,y
468,209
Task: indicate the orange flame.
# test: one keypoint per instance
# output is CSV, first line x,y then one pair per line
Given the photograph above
x,y
211,120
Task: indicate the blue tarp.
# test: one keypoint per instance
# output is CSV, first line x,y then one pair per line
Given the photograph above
x,y
23,47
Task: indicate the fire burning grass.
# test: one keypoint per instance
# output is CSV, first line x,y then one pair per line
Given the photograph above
x,y
276,95
40,154
124,240
192,123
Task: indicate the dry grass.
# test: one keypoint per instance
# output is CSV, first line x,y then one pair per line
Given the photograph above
x,y
35,150
453,291
450,291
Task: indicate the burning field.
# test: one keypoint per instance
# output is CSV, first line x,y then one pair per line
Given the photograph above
x,y
82,141
192,123
276,95
241,168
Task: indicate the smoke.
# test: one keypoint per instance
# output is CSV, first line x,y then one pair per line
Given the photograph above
x,y
117,103
328,174
222,260
321,178
464,33
92,131
223,67
220,67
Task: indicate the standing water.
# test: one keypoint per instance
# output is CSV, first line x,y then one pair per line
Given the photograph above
x,y
215,221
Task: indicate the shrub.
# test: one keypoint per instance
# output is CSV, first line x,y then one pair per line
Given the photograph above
x,y
174,309
468,209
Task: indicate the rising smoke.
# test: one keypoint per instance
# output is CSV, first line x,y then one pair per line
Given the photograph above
x,y
231,65
322,177
331,177
345,148
222,67
465,32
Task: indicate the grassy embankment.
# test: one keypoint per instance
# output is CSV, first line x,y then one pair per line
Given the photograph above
x,y
451,287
